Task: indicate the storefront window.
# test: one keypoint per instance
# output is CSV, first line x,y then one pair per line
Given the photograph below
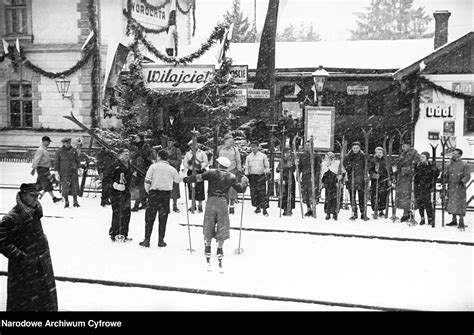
x,y
21,105
469,116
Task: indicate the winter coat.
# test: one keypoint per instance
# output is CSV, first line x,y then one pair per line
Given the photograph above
x,y
355,162
113,176
405,171
66,162
304,167
425,175
31,285
382,169
458,174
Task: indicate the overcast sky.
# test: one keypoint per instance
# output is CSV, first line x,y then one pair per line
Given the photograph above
x,y
332,18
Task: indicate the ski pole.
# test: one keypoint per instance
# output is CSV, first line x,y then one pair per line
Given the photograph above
x,y
239,250
187,219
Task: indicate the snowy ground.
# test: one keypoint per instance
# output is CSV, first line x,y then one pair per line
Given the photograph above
x,y
341,270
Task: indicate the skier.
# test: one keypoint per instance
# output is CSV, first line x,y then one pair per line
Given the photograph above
x,y
425,173
379,182
141,157
174,158
216,216
230,151
257,168
304,166
67,164
329,173
105,159
200,165
119,176
31,285
287,166
42,164
457,175
405,169
159,182
354,163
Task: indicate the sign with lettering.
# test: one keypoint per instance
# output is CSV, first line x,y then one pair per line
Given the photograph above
x,y
466,88
357,90
258,94
149,16
320,122
169,77
292,108
239,96
239,73
438,111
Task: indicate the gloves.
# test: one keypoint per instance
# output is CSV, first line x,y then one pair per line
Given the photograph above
x,y
119,187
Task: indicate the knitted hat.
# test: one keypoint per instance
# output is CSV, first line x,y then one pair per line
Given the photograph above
x,y
426,154
378,148
254,143
356,143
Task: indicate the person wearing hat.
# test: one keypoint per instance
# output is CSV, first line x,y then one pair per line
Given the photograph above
x,y
175,158
287,168
304,167
231,152
354,164
67,164
216,216
329,173
405,171
457,176
425,176
257,168
119,177
105,159
200,164
42,165
31,285
159,181
379,182
141,157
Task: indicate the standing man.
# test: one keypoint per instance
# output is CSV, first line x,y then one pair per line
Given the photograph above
x,y
458,175
354,163
67,164
175,158
105,159
31,285
200,164
42,164
425,174
379,182
119,176
231,152
216,217
405,170
159,181
304,167
257,168
141,157
287,168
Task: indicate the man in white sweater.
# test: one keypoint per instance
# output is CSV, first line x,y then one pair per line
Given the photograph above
x,y
257,168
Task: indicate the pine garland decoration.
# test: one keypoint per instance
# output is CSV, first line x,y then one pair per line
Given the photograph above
x,y
441,89
95,66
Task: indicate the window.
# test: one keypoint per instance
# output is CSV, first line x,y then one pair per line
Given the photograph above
x,y
15,19
21,105
469,116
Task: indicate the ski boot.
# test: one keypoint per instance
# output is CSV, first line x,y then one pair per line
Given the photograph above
x,y
353,217
176,209
461,226
309,213
328,216
162,244
364,217
220,255
334,216
207,253
381,214
453,223
145,243
264,212
200,209
258,210
422,221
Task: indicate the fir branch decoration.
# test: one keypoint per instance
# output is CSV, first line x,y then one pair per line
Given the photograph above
x,y
150,6
441,89
130,20
95,65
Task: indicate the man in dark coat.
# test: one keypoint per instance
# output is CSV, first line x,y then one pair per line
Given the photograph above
x,y
425,175
105,159
141,157
175,157
458,175
286,168
67,164
405,170
379,182
31,285
354,163
304,167
119,176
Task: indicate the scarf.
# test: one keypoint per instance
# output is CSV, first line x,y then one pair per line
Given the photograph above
x,y
331,165
28,213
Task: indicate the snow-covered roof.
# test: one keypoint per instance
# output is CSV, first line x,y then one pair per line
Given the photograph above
x,y
374,54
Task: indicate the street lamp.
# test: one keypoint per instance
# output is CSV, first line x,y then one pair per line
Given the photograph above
x,y
62,84
319,77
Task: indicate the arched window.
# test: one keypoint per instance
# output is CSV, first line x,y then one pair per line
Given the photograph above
x,y
20,104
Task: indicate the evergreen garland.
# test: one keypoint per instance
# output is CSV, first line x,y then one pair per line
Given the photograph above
x,y
95,66
130,19
430,84
152,7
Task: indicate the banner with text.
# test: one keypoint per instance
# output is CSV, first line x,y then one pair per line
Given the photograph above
x,y
320,122
152,18
239,73
170,77
438,111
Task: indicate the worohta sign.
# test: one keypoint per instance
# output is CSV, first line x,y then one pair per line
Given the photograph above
x,y
169,77
151,17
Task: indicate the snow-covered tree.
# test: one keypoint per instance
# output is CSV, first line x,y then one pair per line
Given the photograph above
x,y
244,31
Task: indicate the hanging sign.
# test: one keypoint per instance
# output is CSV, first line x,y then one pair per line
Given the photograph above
x,y
258,94
357,90
170,77
151,17
239,73
466,88
239,96
320,122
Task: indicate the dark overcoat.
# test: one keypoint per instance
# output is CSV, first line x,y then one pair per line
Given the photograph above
x,y
458,174
31,285
405,172
67,164
354,163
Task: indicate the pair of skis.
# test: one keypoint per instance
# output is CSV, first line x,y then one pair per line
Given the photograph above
x,y
340,182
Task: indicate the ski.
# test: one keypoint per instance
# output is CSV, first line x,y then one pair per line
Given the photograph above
x,y
101,141
411,221
393,197
193,159
387,167
340,183
443,179
313,177
280,186
366,171
290,186
376,205
433,153
297,172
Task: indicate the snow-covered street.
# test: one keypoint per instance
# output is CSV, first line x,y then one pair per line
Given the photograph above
x,y
370,273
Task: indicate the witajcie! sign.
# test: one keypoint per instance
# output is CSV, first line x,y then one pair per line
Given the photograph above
x,y
170,77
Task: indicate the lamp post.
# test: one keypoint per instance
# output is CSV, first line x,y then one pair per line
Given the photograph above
x,y
319,77
62,85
